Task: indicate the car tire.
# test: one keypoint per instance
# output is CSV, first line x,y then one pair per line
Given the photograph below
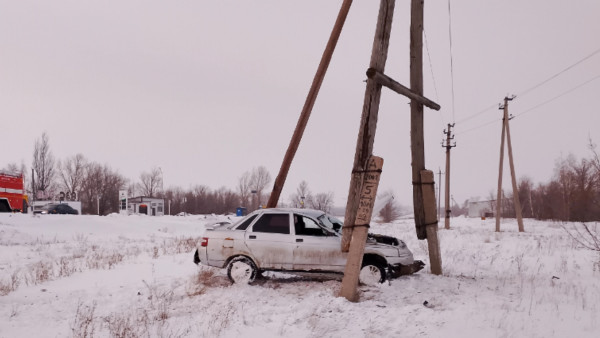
x,y
196,257
372,273
241,270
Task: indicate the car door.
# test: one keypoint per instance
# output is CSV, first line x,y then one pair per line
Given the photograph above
x,y
316,248
270,241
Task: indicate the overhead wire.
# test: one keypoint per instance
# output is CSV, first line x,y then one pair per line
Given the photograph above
x,y
526,91
478,113
534,107
442,120
557,96
451,60
478,127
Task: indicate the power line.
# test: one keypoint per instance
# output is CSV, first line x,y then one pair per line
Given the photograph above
x,y
478,127
430,65
442,121
451,58
479,113
558,96
559,73
533,88
532,108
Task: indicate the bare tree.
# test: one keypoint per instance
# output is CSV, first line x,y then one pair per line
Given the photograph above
x,y
244,188
72,172
390,212
150,182
100,189
525,196
14,168
595,159
43,166
588,236
259,179
202,202
302,196
322,201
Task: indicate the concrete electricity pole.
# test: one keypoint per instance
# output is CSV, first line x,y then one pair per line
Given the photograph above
x,y
448,146
506,131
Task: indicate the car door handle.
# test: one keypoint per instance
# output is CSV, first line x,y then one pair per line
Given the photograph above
x,y
299,240
252,237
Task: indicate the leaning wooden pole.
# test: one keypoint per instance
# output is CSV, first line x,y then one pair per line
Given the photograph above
x,y
308,104
425,225
354,239
368,121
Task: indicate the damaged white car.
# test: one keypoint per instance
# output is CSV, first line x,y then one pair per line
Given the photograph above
x,y
301,240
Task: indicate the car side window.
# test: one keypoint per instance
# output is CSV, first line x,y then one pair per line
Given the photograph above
x,y
273,223
305,226
246,223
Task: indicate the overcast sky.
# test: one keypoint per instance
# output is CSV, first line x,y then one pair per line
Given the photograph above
x,y
207,90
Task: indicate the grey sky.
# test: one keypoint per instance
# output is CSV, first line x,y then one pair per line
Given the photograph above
x,y
207,90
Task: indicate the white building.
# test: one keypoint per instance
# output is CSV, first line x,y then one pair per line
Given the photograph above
x,y
482,208
151,206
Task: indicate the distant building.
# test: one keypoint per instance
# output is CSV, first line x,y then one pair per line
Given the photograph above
x,y
151,206
482,208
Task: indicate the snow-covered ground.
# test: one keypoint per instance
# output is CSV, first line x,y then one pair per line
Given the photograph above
x,y
133,276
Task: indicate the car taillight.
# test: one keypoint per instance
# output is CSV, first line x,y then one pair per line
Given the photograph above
x,y
204,241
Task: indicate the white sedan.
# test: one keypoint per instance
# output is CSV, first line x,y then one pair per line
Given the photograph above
x,y
291,240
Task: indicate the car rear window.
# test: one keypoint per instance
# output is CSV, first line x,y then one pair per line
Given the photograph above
x,y
244,225
273,223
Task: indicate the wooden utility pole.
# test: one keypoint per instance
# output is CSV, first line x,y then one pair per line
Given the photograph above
x,y
426,225
354,233
448,146
439,209
354,238
308,105
517,203
368,121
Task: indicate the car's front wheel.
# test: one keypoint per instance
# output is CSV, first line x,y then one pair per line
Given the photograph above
x,y
241,270
372,273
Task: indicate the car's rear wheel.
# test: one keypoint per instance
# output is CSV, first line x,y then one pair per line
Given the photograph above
x,y
372,272
241,270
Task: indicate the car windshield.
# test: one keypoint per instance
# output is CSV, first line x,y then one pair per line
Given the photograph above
x,y
331,223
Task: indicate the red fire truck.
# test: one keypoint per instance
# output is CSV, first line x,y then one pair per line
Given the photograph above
x,y
12,193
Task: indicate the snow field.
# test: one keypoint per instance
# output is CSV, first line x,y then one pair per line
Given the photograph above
x,y
132,276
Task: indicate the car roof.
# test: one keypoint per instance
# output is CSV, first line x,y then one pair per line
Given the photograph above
x,y
307,212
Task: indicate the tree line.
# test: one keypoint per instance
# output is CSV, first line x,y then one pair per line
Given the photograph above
x,y
97,186
572,194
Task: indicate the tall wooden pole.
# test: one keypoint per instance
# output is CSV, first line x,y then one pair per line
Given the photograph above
x,y
308,105
416,113
368,121
424,228
354,238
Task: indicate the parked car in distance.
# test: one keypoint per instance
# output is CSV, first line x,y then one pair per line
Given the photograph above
x,y
297,240
57,209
